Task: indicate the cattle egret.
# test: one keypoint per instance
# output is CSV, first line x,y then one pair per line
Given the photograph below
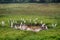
x,y
20,27
21,18
41,22
46,27
3,23
16,27
21,23
24,21
11,24
36,19
54,25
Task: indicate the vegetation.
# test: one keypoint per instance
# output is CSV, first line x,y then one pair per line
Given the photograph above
x,y
48,13
29,1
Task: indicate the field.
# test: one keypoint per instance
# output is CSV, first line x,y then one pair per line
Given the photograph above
x,y
48,13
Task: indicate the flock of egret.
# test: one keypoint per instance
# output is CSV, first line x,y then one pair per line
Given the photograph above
x,y
23,26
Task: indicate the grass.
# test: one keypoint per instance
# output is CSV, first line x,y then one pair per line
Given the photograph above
x,y
48,13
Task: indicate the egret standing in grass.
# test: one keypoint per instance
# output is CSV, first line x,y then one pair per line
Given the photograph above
x,y
3,23
24,21
11,24
46,27
36,18
54,25
21,25
41,22
16,27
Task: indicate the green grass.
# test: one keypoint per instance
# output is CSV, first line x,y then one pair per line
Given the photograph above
x,y
48,13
